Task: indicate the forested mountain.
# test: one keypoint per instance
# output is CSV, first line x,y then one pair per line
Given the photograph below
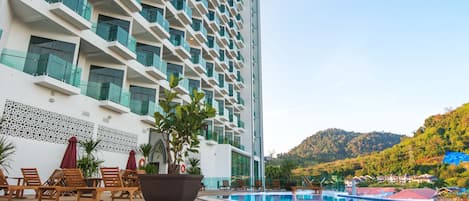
x,y
420,154
333,144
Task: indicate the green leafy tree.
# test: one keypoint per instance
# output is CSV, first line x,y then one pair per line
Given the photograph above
x,y
180,124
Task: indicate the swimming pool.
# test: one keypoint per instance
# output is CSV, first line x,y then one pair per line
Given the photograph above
x,y
281,196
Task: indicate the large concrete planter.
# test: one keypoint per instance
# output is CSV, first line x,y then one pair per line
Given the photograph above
x,y
166,187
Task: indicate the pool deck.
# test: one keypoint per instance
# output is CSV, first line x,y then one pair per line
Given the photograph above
x,y
106,196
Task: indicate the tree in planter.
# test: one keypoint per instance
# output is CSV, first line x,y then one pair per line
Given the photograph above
x,y
7,149
180,124
88,163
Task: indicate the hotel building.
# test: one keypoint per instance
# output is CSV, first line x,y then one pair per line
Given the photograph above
x,y
98,68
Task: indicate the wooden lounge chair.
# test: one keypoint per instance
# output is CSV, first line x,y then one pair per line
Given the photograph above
x,y
225,185
130,179
11,190
113,182
73,180
309,186
276,184
258,184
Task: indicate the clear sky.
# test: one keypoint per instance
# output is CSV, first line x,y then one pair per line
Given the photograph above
x,y
360,65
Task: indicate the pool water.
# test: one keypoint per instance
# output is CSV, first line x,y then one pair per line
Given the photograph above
x,y
281,196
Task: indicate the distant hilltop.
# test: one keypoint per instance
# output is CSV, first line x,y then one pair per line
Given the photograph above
x,y
334,144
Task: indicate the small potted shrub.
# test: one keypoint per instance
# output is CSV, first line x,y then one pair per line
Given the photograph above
x,y
179,126
88,162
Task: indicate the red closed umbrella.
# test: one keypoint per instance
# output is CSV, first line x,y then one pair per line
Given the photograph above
x,y
131,163
70,155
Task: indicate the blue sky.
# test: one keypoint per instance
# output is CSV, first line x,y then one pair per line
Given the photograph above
x,y
361,65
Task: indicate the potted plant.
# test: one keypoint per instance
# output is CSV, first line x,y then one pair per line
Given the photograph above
x,y
179,126
88,162
7,149
148,168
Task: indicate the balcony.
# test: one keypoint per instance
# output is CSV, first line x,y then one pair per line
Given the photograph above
x,y
223,60
110,96
239,21
146,109
212,74
232,7
77,13
222,85
231,70
222,112
241,124
214,22
183,86
234,121
119,39
241,103
182,47
157,22
223,36
240,40
202,6
213,45
240,4
240,80
50,71
231,93
133,5
199,63
200,31
211,137
183,11
223,13
240,60
155,66
233,29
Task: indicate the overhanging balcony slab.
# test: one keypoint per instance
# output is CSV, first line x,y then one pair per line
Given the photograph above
x,y
183,53
147,119
132,5
181,89
152,71
159,30
70,16
122,50
56,85
114,106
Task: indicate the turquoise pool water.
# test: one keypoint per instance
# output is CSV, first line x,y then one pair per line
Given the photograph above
x,y
281,196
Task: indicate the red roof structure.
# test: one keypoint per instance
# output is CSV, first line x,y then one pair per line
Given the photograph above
x,y
421,194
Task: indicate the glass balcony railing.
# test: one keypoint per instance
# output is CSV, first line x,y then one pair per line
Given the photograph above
x,y
198,26
241,101
220,109
106,91
159,109
211,43
226,113
180,41
223,32
211,72
199,60
235,119
239,18
182,5
230,90
110,32
141,107
240,37
153,16
240,78
213,17
152,60
81,7
240,123
240,57
215,105
212,136
222,9
42,64
204,2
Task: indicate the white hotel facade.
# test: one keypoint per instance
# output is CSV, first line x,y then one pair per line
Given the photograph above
x,y
97,69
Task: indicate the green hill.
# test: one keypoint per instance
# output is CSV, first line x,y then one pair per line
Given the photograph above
x,y
333,144
419,154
